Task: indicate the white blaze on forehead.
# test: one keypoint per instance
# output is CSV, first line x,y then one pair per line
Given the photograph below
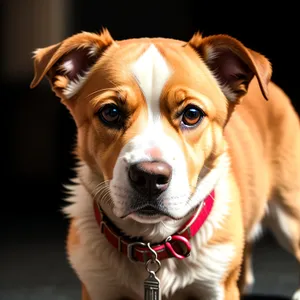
x,y
151,73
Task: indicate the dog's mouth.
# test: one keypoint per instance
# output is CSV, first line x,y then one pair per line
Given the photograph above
x,y
149,211
146,211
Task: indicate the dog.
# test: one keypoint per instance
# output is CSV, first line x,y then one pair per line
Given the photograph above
x,y
187,152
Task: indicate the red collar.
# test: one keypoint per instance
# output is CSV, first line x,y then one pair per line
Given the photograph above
x,y
176,245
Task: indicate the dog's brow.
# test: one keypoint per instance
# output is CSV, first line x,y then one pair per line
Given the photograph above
x,y
122,96
97,92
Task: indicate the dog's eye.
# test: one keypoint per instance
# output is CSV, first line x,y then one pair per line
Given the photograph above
x,y
110,115
191,116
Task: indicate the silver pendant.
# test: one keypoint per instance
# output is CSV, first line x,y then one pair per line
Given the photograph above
x,y
151,284
151,287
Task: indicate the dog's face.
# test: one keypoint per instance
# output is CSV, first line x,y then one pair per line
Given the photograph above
x,y
150,113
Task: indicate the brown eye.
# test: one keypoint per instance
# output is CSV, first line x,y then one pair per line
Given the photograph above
x,y
191,116
110,115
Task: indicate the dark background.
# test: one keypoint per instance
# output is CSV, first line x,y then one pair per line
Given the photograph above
x,y
38,133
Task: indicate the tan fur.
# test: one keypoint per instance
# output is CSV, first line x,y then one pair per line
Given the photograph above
x,y
261,137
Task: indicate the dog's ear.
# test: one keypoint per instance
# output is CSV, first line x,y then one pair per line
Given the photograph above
x,y
232,64
67,63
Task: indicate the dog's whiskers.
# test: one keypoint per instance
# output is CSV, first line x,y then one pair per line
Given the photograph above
x,y
102,193
106,200
99,191
115,88
100,188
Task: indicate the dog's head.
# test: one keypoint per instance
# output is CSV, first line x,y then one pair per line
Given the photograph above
x,y
150,113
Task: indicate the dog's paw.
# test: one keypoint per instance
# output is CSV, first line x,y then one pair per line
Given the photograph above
x,y
296,296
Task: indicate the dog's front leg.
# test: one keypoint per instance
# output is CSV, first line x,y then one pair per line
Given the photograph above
x,y
84,293
231,290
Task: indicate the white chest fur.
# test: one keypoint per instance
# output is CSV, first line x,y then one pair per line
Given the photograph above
x,y
108,274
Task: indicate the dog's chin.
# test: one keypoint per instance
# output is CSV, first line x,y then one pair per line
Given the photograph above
x,y
148,215
147,219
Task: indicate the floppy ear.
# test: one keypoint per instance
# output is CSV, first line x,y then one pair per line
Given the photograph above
x,y
66,64
232,64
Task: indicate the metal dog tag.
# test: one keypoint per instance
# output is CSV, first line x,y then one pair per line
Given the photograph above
x,y
151,287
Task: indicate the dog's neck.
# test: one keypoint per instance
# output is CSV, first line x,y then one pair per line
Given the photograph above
x,y
154,233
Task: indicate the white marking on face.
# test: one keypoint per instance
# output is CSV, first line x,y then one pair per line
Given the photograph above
x,y
151,72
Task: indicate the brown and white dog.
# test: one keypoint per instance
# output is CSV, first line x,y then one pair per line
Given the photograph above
x,y
181,159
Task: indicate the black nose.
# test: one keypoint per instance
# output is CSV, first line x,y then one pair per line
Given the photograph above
x,y
150,178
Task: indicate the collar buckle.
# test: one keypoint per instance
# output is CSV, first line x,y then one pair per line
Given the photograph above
x,y
130,248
